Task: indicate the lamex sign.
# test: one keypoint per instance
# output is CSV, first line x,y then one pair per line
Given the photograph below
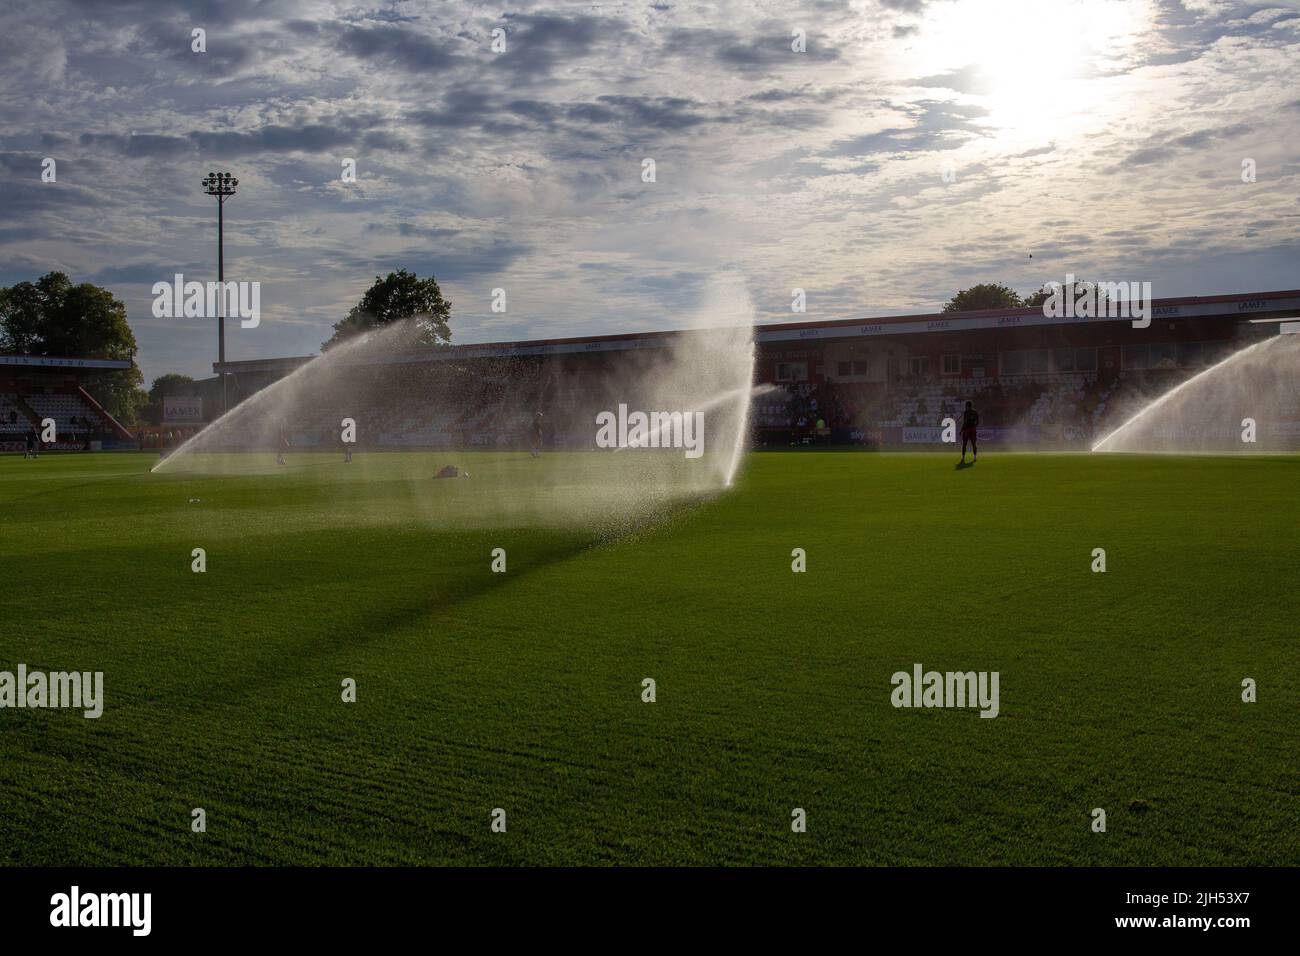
x,y
182,409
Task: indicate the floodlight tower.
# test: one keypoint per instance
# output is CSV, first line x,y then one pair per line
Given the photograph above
x,y
221,185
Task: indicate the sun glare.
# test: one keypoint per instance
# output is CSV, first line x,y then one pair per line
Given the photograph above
x,y
1033,64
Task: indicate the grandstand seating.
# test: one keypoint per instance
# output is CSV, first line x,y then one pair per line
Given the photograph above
x,y
69,411
13,419
76,421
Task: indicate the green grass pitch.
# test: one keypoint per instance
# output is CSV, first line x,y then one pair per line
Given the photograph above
x,y
522,690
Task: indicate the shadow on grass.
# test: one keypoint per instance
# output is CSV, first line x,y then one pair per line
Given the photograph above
x,y
447,582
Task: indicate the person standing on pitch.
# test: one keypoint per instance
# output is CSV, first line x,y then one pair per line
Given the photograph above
x,y
537,434
284,443
970,423
31,443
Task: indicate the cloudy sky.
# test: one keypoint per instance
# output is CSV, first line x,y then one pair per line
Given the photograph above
x,y
912,147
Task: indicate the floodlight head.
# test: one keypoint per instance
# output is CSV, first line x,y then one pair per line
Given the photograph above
x,y
220,184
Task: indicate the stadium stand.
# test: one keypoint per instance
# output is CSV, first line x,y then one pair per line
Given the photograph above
x,y
890,382
14,418
1038,382
37,388
78,422
67,409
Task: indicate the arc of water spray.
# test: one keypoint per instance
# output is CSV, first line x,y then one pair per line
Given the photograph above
x,y
742,438
743,394
269,395
276,388
1148,409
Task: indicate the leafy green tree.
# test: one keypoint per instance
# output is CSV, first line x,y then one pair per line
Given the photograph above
x,y
987,295
398,296
173,383
51,316
21,309
1070,292
120,393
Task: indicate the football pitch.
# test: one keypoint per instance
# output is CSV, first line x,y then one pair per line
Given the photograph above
x,y
523,690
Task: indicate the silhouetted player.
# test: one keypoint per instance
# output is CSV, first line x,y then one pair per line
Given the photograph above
x,y
284,443
537,433
970,423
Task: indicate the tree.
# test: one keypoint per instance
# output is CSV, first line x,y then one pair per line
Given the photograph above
x,y
21,307
400,295
1072,291
987,295
121,395
165,386
51,316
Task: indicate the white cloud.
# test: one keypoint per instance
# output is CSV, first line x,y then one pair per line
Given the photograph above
x,y
821,170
